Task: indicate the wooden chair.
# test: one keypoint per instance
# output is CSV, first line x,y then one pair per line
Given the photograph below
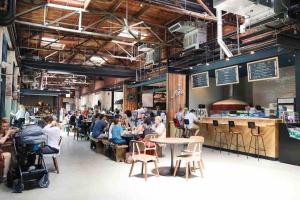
x,y
139,155
187,132
150,146
190,147
55,155
191,155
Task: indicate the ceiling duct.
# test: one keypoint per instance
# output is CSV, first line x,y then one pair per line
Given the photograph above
x,y
254,11
186,26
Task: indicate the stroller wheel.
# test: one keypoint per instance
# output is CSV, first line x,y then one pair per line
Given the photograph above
x,y
44,181
18,186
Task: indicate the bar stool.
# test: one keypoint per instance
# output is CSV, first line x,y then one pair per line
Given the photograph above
x,y
255,133
220,134
236,134
178,129
187,131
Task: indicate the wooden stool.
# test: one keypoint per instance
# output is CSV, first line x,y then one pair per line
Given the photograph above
x,y
217,133
187,132
236,134
120,151
255,133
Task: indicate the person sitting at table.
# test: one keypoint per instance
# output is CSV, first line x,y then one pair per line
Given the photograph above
x,y
99,126
159,127
52,131
117,114
179,116
95,116
150,120
80,123
5,133
116,132
192,118
19,116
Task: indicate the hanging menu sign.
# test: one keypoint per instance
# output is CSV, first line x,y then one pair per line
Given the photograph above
x,y
200,80
263,69
227,76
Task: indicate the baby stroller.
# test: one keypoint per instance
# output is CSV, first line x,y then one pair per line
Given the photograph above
x,y
28,146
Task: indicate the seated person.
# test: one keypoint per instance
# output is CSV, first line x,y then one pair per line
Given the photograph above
x,y
191,116
159,127
99,126
115,133
52,131
5,134
117,114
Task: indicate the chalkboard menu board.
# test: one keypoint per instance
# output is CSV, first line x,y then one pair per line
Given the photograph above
x,y
200,80
263,69
227,76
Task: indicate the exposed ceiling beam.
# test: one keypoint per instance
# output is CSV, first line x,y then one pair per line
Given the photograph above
x,y
61,18
205,7
104,70
87,33
177,10
30,10
141,11
86,4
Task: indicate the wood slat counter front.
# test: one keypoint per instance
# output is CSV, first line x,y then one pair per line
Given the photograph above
x,y
268,127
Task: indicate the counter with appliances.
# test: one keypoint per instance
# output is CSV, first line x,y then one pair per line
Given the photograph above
x,y
268,127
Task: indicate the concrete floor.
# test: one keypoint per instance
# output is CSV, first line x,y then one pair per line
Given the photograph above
x,y
87,175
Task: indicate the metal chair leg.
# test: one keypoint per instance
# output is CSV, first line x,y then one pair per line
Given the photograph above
x,y
264,147
250,144
244,144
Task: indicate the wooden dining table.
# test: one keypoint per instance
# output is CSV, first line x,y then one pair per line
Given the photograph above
x,y
172,141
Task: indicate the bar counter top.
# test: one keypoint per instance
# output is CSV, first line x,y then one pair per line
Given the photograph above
x,y
242,121
268,127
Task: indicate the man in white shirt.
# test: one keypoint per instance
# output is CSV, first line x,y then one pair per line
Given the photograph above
x,y
53,133
19,116
191,116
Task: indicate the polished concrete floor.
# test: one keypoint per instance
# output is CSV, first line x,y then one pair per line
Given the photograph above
x,y
87,175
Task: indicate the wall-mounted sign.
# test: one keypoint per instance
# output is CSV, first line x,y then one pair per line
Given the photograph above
x,y
263,69
200,80
227,76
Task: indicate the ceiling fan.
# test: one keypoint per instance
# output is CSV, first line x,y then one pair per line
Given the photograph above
x,y
134,29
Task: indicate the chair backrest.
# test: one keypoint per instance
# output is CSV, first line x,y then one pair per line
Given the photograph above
x,y
138,149
251,125
195,146
231,124
148,137
186,121
215,123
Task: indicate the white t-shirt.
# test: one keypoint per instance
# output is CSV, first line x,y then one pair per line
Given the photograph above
x,y
192,118
140,112
20,114
160,130
53,134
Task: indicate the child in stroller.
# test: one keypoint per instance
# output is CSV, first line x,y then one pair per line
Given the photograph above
x,y
28,146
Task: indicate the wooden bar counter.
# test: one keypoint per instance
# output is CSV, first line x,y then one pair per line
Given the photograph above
x,y
268,127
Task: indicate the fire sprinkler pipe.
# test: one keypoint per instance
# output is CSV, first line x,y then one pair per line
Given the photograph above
x,y
220,34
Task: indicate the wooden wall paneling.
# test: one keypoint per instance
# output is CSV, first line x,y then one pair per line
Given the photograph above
x,y
174,102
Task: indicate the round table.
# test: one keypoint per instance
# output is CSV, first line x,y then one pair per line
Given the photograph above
x,y
172,141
